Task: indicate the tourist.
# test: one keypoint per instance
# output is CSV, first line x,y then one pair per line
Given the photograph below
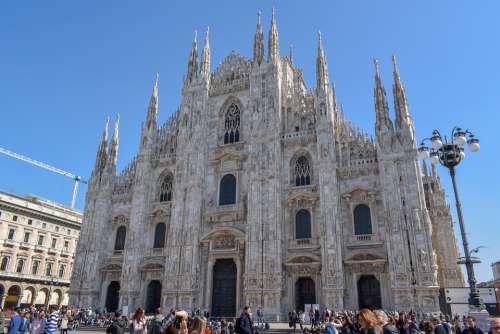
x,y
118,325
471,327
51,322
401,323
494,326
16,322
369,322
138,325
428,327
25,327
244,323
64,324
384,322
330,326
38,323
347,326
2,320
156,325
438,326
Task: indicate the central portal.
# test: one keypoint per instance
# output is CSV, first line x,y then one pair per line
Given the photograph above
x,y
224,288
305,293
369,292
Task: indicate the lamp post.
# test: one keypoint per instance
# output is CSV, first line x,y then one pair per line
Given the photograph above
x,y
449,153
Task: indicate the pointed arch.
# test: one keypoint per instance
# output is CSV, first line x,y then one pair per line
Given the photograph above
x,y
159,237
121,234
301,170
362,220
166,187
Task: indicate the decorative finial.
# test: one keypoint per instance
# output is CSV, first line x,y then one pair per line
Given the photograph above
x,y
377,66
395,64
156,79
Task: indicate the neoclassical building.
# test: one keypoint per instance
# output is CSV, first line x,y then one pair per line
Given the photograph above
x,y
259,191
37,246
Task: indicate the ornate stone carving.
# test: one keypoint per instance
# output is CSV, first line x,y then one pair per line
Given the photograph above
x,y
224,242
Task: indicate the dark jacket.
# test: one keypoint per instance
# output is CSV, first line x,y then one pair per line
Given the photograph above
x,y
390,329
439,329
474,330
117,327
245,324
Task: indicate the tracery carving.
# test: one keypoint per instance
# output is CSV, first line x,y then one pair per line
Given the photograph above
x,y
232,124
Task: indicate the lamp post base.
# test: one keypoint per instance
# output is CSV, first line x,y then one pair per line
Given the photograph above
x,y
482,317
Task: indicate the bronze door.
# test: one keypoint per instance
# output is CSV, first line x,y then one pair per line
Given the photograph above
x,y
369,292
305,293
224,288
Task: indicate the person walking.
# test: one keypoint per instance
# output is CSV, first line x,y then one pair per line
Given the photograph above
x,y
25,327
138,325
16,322
384,322
52,319
369,322
471,327
156,326
38,323
64,324
438,327
118,325
244,324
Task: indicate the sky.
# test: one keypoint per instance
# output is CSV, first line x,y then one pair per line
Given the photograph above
x,y
67,65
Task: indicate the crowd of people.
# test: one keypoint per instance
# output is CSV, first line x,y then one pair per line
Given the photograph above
x,y
48,321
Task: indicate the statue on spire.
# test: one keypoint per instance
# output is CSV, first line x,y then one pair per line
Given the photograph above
x,y
205,59
152,116
403,118
321,66
273,52
258,43
113,145
193,60
383,121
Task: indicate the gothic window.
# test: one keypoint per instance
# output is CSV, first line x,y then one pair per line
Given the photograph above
x,y
227,190
120,238
166,188
5,263
362,220
303,225
62,268
232,124
302,172
20,266
159,240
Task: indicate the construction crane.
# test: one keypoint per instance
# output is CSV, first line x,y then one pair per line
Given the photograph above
x,y
43,165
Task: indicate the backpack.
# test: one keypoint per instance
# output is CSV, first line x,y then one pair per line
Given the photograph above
x,y
237,326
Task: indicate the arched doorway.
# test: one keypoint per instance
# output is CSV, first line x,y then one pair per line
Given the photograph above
x,y
369,292
305,292
27,298
112,296
12,299
153,296
41,297
224,288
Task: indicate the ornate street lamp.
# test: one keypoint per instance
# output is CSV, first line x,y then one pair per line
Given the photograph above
x,y
450,154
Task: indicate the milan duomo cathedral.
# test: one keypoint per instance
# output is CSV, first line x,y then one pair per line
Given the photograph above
x,y
259,191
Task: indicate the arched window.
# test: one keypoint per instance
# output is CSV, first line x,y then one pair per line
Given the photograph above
x,y
20,266
159,241
362,220
232,124
5,263
302,172
303,224
227,190
121,233
166,188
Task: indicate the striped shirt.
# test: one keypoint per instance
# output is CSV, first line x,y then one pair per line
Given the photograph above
x,y
51,324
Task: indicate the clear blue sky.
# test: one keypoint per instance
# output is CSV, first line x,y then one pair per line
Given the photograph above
x,y
66,65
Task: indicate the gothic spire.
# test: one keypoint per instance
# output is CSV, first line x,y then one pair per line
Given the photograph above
x,y
383,121
153,105
113,145
321,66
205,58
400,101
102,151
193,60
273,52
258,43
424,168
